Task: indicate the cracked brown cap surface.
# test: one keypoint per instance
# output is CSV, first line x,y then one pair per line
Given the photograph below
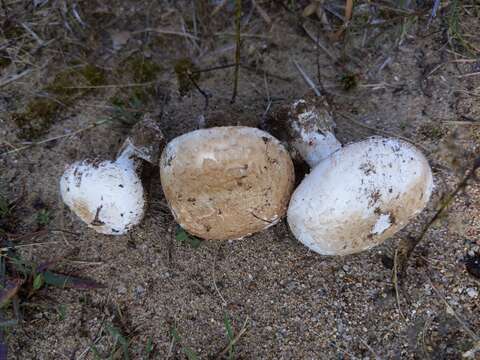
x,y
226,182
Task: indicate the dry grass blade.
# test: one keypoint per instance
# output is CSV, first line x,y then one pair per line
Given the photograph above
x,y
94,125
166,32
306,78
396,283
462,322
319,44
15,77
242,331
262,12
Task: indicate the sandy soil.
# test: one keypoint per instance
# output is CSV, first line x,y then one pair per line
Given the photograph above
x,y
293,303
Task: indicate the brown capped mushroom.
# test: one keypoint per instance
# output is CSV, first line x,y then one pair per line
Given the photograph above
x,y
226,182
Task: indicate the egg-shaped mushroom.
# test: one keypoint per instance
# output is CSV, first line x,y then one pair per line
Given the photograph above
x,y
359,196
226,182
108,195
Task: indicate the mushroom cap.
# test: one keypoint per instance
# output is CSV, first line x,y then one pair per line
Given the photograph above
x,y
226,182
360,196
106,195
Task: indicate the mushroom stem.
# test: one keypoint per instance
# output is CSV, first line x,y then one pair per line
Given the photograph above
x,y
109,195
312,131
128,155
144,142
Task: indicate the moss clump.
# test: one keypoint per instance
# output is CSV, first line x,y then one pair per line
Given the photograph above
x,y
62,84
36,119
432,131
126,109
4,59
144,70
11,29
94,75
349,81
186,73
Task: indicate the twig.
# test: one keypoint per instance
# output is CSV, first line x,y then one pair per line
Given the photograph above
x,y
238,14
469,331
307,79
214,68
204,94
407,244
319,44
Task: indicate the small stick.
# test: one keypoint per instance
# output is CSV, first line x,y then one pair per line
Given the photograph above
x,y
407,244
307,79
319,44
469,331
204,94
238,15
214,68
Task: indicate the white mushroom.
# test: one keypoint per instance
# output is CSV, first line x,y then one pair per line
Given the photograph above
x,y
108,195
226,182
355,196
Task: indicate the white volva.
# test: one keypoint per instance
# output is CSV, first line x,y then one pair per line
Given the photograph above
x,y
358,195
108,195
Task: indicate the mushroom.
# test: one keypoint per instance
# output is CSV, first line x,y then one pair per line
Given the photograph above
x,y
226,182
356,196
108,195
